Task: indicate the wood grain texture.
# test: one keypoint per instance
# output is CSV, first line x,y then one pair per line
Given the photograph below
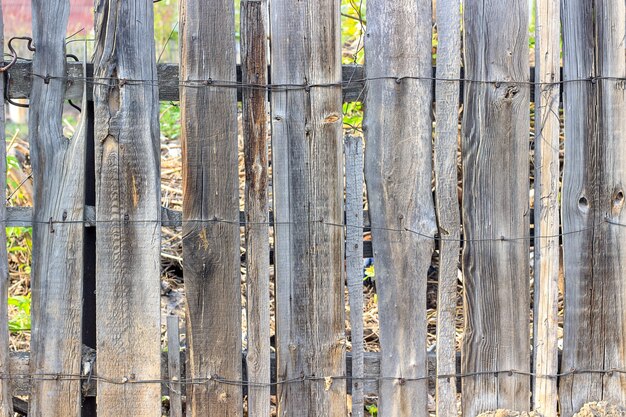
x,y
174,365
210,190
254,15
580,204
593,199
127,203
398,166
58,172
448,14
308,191
495,206
6,403
547,221
353,151
169,88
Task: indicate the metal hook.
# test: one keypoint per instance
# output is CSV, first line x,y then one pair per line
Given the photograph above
x,y
14,53
7,85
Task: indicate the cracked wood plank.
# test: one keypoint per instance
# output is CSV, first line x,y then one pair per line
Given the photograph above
x,y
127,200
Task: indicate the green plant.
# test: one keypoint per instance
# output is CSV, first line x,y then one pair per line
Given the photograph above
x,y
19,315
372,410
170,120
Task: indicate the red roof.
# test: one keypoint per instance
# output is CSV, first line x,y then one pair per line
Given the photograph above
x,y
17,16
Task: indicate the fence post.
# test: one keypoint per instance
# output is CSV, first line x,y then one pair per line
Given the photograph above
x,y
255,136
6,405
398,173
57,265
447,198
593,201
495,206
353,153
127,209
211,244
547,246
308,206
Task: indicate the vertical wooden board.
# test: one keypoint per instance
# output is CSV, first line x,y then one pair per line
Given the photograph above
x,y
611,247
447,202
308,204
254,105
398,166
354,263
580,209
127,208
58,171
6,404
495,206
595,319
173,362
210,187
547,249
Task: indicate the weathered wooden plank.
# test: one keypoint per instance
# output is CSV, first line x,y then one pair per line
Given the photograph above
x,y
168,76
495,206
611,241
58,171
398,168
593,197
254,15
352,78
127,200
547,248
308,187
354,262
210,190
173,362
6,404
580,205
446,145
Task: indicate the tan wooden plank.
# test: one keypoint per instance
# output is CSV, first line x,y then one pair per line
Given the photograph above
x,y
308,193
547,221
495,132
210,190
127,203
174,364
254,15
58,165
398,166
6,403
448,13
353,150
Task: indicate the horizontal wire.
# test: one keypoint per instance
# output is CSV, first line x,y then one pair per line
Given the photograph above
x,y
202,83
180,223
220,380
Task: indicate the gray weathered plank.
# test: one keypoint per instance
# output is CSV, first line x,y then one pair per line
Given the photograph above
x,y
546,249
173,362
210,190
6,405
593,198
398,168
21,81
580,204
255,135
308,191
495,206
58,171
448,14
127,202
354,262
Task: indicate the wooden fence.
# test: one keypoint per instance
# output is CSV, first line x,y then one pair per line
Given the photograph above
x,y
97,217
